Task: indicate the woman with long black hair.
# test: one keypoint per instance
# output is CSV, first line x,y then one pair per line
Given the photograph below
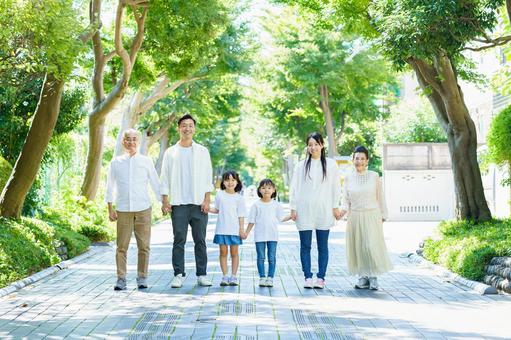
x,y
314,198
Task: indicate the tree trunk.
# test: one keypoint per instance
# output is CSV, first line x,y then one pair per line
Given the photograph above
x,y
129,120
94,156
164,144
342,127
448,103
29,160
325,106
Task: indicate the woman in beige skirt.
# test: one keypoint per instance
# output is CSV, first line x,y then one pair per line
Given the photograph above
x,y
364,202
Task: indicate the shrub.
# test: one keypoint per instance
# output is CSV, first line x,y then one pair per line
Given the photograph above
x,y
466,247
499,139
26,246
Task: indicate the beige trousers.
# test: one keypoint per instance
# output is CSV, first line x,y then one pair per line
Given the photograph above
x,y
127,222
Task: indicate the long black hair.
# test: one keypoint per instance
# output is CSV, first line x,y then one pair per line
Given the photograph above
x,y
319,139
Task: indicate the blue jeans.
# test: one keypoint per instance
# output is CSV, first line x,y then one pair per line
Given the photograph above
x,y
305,252
272,251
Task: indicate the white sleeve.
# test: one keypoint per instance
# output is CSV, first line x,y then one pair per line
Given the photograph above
x,y
241,209
294,187
110,184
209,173
153,179
280,212
345,203
336,189
381,198
253,213
164,177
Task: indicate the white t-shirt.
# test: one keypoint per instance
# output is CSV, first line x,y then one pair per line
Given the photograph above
x,y
266,217
230,208
186,164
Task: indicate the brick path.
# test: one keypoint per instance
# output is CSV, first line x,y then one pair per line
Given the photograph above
x,y
412,303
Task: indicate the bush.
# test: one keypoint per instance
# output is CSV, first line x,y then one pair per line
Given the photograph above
x,y
85,217
75,243
465,247
499,139
26,246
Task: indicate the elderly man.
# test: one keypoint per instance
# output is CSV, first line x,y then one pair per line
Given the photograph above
x,y
128,179
186,184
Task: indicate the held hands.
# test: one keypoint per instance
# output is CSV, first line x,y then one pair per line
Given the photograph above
x,y
204,207
293,215
243,234
337,213
166,208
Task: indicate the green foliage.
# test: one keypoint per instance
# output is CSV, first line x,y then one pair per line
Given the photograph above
x,y
466,247
413,123
25,248
421,29
5,172
499,140
77,214
181,34
50,43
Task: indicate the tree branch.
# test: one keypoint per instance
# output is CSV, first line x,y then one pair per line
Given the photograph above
x,y
99,62
139,38
428,73
491,43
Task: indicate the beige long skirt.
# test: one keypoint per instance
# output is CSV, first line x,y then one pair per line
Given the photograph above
x,y
365,246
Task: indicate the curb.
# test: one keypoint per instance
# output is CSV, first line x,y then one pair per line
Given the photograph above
x,y
17,285
478,287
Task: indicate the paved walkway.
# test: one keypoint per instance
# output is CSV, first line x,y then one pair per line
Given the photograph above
x,y
412,303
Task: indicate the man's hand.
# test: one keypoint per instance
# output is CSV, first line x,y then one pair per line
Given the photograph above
x,y
204,207
112,215
293,215
166,208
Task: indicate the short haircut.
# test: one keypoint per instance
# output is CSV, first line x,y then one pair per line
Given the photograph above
x,y
267,181
233,174
361,149
128,131
185,117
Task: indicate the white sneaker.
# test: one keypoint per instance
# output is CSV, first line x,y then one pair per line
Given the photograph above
x,y
225,281
262,282
269,282
203,281
320,283
373,283
308,283
177,281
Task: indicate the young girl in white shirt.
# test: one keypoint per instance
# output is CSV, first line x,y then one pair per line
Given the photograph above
x,y
230,206
266,214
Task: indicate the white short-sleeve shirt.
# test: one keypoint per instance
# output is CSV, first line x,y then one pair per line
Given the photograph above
x,y
230,208
266,217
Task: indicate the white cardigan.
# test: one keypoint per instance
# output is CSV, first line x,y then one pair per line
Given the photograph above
x,y
314,198
202,176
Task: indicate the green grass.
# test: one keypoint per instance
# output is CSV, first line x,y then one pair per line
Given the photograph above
x,y
465,247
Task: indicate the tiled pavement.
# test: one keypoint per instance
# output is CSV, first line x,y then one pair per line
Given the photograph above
x,y
413,302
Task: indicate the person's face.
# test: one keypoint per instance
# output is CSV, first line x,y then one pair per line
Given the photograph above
x,y
267,191
130,142
360,161
230,183
314,148
186,128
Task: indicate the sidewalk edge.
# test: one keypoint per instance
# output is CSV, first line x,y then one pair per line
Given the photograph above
x,y
478,287
17,285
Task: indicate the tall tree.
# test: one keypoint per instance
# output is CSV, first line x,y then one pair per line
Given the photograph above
x,y
103,102
50,43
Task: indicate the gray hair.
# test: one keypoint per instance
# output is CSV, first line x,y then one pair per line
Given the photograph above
x,y
132,131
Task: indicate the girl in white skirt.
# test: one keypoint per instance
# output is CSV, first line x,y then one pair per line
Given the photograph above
x,y
363,199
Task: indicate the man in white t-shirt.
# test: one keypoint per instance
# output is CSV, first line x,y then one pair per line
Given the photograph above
x,y
186,185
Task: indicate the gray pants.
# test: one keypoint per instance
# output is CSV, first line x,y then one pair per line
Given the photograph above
x,y
182,216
